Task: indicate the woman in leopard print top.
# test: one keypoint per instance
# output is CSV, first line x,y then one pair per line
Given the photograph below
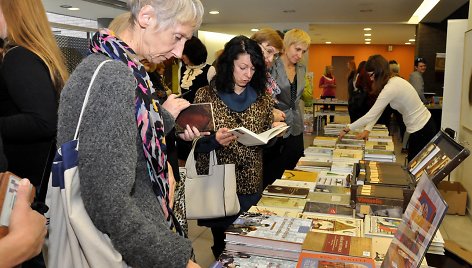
x,y
239,99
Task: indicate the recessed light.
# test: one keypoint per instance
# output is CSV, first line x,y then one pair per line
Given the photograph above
x,y
214,12
365,10
367,29
407,43
328,42
289,11
367,34
73,8
254,30
368,39
65,6
411,40
367,43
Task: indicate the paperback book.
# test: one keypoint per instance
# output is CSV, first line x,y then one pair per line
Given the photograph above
x,y
300,184
286,191
330,198
338,244
327,209
297,175
380,226
270,231
274,211
323,260
335,225
243,259
282,202
249,138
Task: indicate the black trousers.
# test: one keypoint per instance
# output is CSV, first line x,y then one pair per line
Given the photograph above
x,y
420,138
284,154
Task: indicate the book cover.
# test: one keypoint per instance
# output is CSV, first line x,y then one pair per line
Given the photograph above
x,y
199,115
335,225
291,183
330,198
379,195
244,259
380,247
282,202
265,230
332,178
296,175
264,251
380,226
422,158
322,260
420,222
249,138
275,211
338,244
324,208
286,191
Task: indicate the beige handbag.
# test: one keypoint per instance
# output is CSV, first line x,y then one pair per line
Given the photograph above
x,y
213,195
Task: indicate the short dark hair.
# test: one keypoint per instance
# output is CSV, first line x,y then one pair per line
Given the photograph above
x,y
224,78
195,51
418,60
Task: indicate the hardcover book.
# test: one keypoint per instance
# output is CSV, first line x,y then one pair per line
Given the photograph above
x,y
329,198
338,244
419,224
264,251
380,195
249,138
273,231
322,260
199,115
335,225
328,209
286,191
282,202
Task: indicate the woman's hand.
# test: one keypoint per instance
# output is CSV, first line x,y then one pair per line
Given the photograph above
x,y
363,135
190,133
343,132
224,137
175,105
279,116
171,185
26,231
275,124
192,264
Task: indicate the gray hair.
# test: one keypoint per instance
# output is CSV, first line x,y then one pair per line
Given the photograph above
x,y
170,12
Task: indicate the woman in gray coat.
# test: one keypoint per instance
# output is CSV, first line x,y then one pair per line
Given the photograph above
x,y
125,181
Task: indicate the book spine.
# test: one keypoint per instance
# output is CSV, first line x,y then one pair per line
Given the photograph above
x,y
379,201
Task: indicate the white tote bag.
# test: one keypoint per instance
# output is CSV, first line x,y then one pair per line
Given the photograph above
x,y
74,241
213,195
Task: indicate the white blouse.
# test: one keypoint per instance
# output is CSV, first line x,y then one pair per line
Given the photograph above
x,y
402,97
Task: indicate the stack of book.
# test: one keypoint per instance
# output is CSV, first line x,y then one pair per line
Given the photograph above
x,y
269,236
324,142
333,129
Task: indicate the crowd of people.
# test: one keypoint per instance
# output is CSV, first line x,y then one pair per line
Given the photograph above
x,y
129,166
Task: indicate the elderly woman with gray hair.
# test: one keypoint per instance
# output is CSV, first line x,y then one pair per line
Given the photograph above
x,y
126,184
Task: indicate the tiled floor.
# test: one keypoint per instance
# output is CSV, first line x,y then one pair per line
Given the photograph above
x,y
455,228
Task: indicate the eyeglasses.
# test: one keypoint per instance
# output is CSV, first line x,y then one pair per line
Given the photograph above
x,y
271,52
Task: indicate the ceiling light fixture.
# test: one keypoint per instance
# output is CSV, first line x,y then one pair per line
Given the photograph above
x,y
407,43
65,6
411,40
367,34
328,42
367,43
368,39
73,8
214,12
289,11
367,29
254,30
422,11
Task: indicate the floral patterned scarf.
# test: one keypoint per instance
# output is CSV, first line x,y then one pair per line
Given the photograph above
x,y
148,118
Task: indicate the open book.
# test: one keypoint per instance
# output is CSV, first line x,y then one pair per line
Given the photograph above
x,y
249,138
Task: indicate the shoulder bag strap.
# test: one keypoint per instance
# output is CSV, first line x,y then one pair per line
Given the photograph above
x,y
87,94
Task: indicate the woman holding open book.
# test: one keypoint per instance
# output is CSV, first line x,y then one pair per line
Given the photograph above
x,y
239,99
402,97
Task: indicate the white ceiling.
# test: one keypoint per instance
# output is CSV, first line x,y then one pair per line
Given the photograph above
x,y
338,21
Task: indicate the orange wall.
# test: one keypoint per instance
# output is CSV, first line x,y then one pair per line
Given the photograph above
x,y
320,56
